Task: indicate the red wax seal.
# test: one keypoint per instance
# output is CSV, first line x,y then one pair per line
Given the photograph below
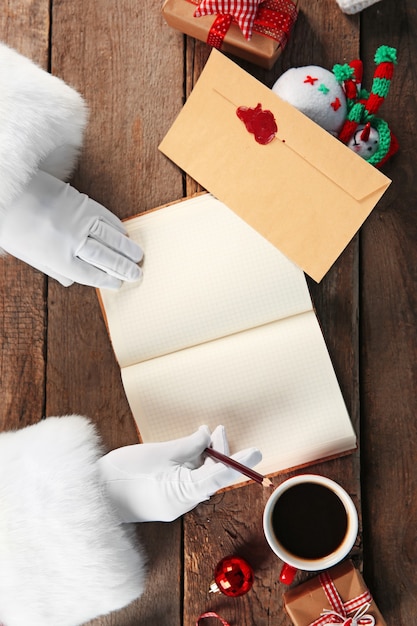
x,y
233,576
259,122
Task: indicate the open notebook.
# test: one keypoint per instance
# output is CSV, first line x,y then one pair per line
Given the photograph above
x,y
221,330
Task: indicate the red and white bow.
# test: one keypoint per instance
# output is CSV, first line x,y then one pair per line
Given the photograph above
x,y
360,618
353,612
242,11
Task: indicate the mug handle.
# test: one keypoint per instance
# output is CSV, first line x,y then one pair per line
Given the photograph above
x,y
287,574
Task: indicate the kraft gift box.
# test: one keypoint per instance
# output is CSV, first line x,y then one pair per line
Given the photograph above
x,y
316,603
272,28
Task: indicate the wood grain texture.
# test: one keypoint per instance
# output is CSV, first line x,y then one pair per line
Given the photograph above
x,y
23,319
25,25
55,356
389,338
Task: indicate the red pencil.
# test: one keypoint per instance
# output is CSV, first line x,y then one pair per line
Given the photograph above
x,y
243,469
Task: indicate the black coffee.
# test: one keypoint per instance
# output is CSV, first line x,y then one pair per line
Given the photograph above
x,y
309,521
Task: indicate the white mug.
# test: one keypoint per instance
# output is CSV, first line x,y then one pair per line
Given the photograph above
x,y
311,523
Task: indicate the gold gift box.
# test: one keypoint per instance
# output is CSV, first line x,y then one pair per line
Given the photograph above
x,y
260,49
306,602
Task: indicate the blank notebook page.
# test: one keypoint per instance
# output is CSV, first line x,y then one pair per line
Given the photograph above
x,y
272,387
206,274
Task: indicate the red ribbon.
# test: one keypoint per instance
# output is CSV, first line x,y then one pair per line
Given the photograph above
x,y
218,30
211,614
274,19
341,612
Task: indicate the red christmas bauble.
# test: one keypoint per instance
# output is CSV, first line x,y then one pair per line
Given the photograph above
x,y
233,576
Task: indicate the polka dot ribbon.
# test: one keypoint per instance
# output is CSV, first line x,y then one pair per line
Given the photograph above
x,y
211,614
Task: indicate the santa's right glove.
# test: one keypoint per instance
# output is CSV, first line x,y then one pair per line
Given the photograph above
x,y
69,236
43,221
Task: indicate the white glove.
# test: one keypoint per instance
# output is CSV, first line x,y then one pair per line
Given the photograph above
x,y
155,481
68,236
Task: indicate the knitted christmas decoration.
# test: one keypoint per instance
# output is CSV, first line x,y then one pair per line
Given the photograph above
x,y
353,85
363,107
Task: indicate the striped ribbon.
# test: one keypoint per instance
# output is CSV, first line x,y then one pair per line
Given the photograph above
x,y
341,612
211,614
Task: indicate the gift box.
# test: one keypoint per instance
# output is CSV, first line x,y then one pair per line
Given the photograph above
x,y
271,29
337,596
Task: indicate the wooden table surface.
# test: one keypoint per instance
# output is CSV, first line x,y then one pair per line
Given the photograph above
x,y
55,356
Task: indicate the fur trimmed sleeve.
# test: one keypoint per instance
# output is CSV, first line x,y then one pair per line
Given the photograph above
x,y
42,121
65,556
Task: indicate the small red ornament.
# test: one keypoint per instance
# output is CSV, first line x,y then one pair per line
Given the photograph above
x,y
233,576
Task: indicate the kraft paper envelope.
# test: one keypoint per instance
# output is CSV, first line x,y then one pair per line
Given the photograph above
x,y
305,191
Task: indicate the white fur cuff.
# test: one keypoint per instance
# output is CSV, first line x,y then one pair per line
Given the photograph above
x,y
355,6
41,124
65,556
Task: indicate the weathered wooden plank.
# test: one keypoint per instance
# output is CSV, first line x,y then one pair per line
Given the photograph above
x,y
129,66
232,522
388,331
25,27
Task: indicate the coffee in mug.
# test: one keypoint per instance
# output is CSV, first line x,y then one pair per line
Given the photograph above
x,y
311,523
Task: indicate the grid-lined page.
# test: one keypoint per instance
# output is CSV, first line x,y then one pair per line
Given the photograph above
x,y
272,387
206,274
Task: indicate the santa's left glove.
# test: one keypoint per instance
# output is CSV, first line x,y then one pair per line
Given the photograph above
x,y
162,481
69,236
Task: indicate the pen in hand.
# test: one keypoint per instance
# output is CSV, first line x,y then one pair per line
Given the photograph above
x,y
243,469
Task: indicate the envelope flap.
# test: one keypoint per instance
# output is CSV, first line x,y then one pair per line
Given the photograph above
x,y
315,145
